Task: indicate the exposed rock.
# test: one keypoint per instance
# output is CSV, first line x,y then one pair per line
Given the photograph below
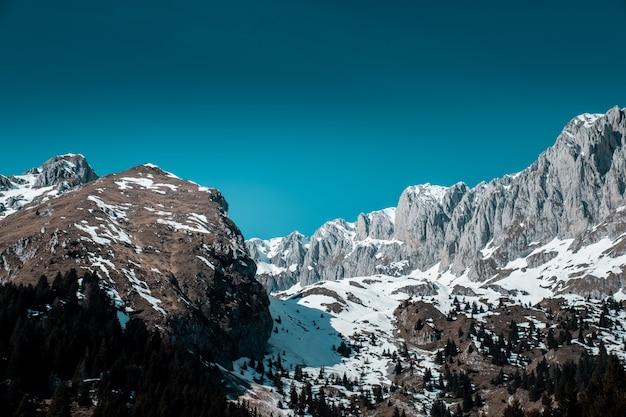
x,y
576,189
376,225
338,249
66,171
540,258
279,261
5,183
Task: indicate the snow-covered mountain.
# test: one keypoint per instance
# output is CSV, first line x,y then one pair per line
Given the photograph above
x,y
492,285
373,344
164,248
574,193
455,302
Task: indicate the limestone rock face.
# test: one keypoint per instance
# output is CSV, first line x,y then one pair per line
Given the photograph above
x,y
423,216
279,261
574,186
378,225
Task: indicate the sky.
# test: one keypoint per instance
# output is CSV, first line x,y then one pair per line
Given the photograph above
x,y
302,111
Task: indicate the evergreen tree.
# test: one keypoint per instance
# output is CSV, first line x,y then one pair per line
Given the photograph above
x,y
60,406
513,410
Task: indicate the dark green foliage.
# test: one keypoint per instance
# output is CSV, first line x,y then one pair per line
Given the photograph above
x,y
594,387
60,406
56,347
344,350
439,409
514,410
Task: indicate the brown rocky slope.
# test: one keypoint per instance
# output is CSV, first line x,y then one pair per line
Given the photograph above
x,y
163,247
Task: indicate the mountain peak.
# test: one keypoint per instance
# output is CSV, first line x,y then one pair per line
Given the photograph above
x,y
56,176
427,191
67,171
475,232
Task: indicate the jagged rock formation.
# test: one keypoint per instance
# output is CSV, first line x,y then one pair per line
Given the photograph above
x,y
336,250
164,248
279,260
66,171
574,186
54,177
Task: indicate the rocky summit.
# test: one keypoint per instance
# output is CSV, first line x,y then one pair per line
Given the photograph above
x,y
503,299
575,193
164,249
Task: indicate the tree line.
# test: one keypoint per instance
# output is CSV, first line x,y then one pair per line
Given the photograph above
x,y
62,348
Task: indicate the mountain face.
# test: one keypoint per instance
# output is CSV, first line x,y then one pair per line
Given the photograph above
x,y
574,192
502,299
164,249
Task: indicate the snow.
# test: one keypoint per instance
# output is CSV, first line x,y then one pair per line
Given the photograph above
x,y
265,268
123,318
390,213
428,191
200,221
588,119
101,263
206,261
127,183
488,250
179,226
91,230
143,289
159,212
23,194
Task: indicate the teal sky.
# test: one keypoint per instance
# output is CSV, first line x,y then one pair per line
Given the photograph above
x,y
301,111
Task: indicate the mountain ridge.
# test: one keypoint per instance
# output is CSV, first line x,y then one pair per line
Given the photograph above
x,y
502,299
450,226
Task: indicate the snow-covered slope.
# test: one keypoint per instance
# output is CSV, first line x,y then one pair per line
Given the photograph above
x,y
53,178
392,359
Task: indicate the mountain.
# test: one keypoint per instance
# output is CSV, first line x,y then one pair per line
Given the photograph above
x,y
502,299
574,193
163,248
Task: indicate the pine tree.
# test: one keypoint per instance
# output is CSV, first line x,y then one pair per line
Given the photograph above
x,y
60,406
514,410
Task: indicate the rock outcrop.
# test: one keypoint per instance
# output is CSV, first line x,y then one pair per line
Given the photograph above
x,y
279,261
65,171
575,185
56,176
5,183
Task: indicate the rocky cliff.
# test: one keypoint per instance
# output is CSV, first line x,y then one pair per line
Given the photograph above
x,y
164,249
574,186
54,177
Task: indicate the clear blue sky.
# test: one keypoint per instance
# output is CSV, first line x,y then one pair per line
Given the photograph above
x,y
301,111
